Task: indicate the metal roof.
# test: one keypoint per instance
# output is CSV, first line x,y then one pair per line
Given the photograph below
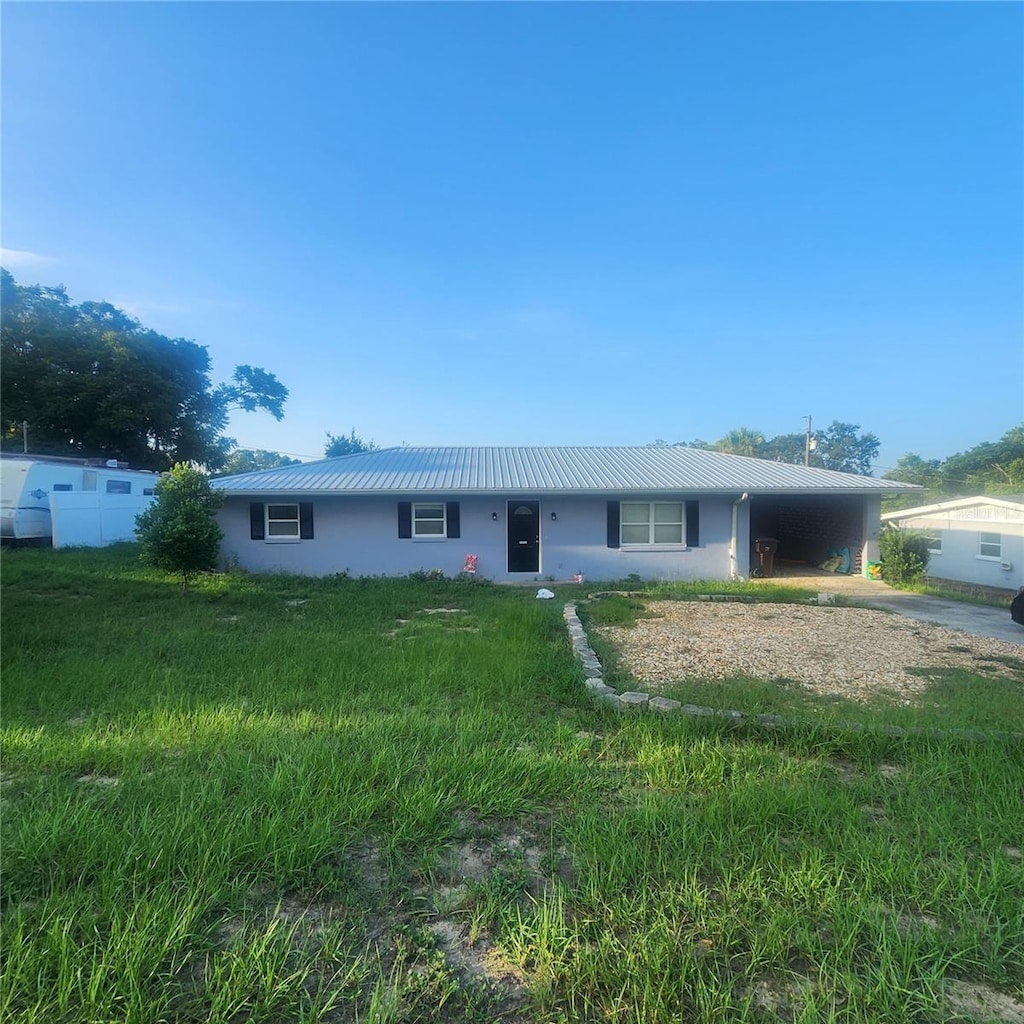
x,y
548,470
1014,502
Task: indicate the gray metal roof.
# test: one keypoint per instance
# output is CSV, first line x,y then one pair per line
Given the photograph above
x,y
548,470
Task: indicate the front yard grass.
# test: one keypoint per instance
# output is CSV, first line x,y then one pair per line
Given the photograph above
x,y
284,799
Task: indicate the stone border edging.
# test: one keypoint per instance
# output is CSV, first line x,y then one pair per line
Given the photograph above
x,y
606,695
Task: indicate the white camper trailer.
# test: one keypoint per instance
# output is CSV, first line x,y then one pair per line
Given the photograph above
x,y
71,501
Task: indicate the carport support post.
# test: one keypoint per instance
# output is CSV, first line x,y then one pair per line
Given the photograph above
x,y
739,552
872,528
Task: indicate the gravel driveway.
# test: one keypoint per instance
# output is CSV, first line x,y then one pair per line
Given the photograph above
x,y
849,652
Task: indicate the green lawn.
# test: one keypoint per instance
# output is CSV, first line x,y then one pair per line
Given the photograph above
x,y
279,799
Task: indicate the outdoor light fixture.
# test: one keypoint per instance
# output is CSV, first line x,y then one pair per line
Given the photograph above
x,y
494,516
554,517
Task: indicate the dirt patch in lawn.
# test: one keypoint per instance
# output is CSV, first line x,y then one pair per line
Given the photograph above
x,y
983,1003
854,653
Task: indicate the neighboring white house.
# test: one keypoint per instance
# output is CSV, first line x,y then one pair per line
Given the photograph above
x,y
531,513
974,540
73,502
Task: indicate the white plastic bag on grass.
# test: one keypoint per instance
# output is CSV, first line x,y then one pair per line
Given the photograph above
x,y
544,594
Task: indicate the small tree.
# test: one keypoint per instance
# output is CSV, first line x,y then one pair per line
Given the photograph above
x,y
178,531
904,556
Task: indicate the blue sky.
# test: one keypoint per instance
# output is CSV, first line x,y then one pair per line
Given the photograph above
x,y
543,223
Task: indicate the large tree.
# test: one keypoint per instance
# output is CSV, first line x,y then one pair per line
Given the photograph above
x,y
991,467
786,448
912,469
250,460
351,445
840,447
89,380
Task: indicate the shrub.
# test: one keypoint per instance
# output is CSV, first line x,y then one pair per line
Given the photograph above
x,y
904,556
178,532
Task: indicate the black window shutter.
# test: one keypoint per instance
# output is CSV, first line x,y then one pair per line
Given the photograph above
x,y
452,515
405,519
306,520
693,524
613,524
256,520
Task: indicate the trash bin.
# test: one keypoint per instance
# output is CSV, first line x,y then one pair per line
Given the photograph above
x,y
765,548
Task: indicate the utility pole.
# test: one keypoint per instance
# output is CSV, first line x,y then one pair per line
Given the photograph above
x,y
807,442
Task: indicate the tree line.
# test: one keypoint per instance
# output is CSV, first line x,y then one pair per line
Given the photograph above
x,y
992,467
89,380
839,447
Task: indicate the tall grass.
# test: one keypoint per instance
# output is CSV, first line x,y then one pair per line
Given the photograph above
x,y
289,799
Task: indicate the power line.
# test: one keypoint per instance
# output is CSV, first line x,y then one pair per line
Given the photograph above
x,y
291,455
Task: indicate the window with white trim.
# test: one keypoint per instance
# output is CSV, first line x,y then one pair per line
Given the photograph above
x,y
651,522
990,545
429,519
935,544
282,522
119,487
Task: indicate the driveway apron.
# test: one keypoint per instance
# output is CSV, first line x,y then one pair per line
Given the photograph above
x,y
981,620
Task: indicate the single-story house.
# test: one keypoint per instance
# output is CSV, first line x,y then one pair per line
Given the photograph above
x,y
973,540
545,513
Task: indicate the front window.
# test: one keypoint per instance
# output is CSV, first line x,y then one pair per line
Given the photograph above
x,y
652,522
119,487
990,545
428,520
282,522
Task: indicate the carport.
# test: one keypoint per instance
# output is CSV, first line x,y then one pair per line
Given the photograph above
x,y
810,526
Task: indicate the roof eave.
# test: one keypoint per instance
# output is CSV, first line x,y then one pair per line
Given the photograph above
x,y
542,492
951,505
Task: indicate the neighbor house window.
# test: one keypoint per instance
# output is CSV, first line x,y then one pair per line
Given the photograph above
x,y
990,545
63,487
428,520
282,522
119,487
652,522
148,490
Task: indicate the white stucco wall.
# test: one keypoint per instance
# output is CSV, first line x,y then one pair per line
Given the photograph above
x,y
960,531
872,529
359,535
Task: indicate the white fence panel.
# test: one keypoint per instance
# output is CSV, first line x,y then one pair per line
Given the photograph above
x,y
94,519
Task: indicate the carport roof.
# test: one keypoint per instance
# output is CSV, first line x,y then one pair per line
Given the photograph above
x,y
554,470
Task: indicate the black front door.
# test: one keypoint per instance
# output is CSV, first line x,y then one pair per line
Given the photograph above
x,y
524,536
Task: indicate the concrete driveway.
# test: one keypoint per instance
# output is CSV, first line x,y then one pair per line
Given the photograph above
x,y
982,620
